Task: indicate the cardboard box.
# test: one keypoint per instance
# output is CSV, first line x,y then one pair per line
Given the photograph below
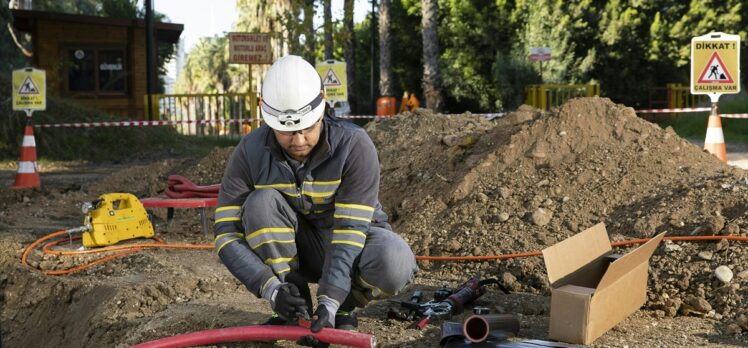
x,y
592,288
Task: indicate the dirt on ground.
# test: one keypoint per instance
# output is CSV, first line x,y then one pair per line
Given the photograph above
x,y
453,185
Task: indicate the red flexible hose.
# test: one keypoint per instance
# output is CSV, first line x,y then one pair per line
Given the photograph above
x,y
261,333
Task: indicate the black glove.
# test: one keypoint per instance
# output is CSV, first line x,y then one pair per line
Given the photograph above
x,y
310,341
321,319
288,303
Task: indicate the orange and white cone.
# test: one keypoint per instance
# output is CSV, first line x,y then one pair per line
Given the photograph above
x,y
715,139
27,175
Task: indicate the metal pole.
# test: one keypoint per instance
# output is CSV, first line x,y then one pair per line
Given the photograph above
x,y
150,57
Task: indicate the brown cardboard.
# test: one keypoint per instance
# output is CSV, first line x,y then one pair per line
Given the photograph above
x,y
592,288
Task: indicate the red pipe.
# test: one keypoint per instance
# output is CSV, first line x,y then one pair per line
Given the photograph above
x,y
261,333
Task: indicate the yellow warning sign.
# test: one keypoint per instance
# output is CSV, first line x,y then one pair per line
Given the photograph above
x,y
715,64
29,89
333,77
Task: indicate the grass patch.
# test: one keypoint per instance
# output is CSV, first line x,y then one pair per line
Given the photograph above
x,y
693,125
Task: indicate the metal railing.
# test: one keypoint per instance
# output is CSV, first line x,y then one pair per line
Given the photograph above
x,y
547,96
229,115
680,96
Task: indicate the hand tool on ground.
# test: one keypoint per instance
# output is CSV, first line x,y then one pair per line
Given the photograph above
x,y
112,218
469,292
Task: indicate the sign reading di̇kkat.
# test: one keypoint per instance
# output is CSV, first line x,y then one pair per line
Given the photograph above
x,y
29,89
715,64
334,79
250,48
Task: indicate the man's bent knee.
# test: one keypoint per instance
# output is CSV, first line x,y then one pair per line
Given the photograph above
x,y
388,264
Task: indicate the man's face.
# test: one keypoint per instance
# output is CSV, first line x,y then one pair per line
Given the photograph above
x,y
299,144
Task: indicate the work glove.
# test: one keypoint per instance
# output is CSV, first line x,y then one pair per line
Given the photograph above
x,y
324,316
288,303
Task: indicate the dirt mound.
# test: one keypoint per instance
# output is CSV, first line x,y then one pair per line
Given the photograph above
x,y
531,179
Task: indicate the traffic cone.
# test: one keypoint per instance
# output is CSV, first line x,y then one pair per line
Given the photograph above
x,y
27,175
715,139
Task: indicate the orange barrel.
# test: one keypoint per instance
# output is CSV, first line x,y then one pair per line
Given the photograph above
x,y
386,106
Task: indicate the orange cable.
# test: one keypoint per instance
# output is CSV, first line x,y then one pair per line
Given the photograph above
x,y
127,249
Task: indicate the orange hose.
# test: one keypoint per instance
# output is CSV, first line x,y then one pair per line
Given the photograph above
x,y
124,250
127,249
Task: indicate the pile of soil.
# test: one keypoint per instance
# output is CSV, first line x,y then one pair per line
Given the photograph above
x,y
461,185
452,185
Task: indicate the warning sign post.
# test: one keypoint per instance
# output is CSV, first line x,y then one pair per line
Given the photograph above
x,y
334,81
715,65
29,90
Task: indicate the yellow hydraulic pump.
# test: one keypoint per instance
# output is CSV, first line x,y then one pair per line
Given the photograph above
x,y
115,217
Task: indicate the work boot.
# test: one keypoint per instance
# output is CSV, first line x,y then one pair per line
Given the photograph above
x,y
345,320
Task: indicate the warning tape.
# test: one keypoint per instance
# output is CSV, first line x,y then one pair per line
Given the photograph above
x,y
134,123
734,116
658,111
175,122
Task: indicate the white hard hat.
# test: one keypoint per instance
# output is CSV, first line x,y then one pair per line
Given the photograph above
x,y
292,95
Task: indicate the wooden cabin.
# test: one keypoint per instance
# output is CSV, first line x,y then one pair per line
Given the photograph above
x,y
99,62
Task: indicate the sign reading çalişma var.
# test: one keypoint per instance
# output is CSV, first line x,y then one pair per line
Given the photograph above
x,y
334,80
29,89
715,64
250,48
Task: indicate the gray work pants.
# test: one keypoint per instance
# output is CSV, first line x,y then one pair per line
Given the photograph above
x,y
384,267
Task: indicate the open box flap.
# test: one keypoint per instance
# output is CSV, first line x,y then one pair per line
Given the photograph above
x,y
569,255
629,261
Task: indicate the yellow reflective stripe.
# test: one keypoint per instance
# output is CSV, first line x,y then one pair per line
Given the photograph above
x,y
270,229
355,206
272,241
228,233
284,270
351,217
366,284
229,207
269,261
289,194
334,182
275,186
347,242
226,242
228,219
318,194
356,232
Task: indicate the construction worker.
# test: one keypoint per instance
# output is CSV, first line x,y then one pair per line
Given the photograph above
x,y
299,203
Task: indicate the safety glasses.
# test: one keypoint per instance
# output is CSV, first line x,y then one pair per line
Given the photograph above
x,y
300,131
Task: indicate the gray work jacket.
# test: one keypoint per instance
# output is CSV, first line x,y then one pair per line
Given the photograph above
x,y
339,192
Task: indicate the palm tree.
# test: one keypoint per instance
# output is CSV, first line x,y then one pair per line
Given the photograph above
x,y
349,52
385,63
309,40
327,4
432,82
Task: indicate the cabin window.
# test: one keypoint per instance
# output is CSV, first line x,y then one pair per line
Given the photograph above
x,y
96,71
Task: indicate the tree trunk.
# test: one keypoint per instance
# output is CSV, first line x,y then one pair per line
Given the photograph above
x,y
432,82
385,61
309,39
350,53
328,28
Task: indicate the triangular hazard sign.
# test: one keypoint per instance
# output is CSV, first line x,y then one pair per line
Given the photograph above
x,y
715,71
331,79
28,87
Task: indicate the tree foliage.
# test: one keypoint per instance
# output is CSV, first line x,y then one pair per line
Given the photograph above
x,y
627,46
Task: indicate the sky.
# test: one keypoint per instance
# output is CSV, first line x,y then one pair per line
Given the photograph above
x,y
219,16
